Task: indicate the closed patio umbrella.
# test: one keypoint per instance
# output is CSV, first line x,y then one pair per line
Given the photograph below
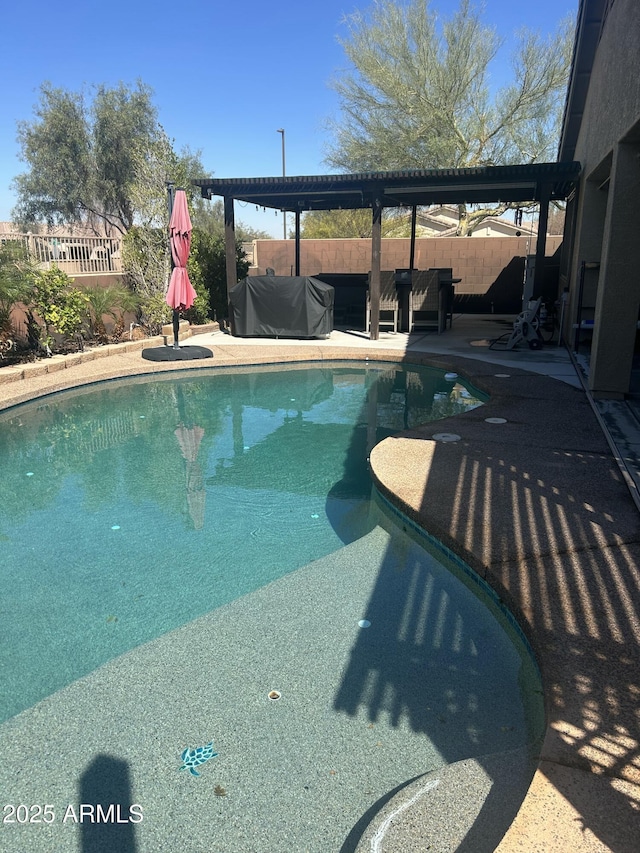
x,y
180,294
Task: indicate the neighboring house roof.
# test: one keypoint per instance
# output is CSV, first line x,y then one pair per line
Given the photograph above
x,y
442,221
53,231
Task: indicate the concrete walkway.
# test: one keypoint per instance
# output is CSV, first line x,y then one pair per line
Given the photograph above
x,y
534,500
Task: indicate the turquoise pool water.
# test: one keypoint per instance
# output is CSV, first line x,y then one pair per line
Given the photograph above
x,y
174,549
132,507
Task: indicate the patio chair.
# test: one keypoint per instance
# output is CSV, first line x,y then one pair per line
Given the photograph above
x,y
447,293
424,300
432,295
388,301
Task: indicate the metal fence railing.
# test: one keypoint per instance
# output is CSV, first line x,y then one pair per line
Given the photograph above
x,y
73,255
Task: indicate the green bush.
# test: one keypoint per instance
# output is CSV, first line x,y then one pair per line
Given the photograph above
x,y
199,313
15,282
112,302
146,259
61,307
207,269
155,312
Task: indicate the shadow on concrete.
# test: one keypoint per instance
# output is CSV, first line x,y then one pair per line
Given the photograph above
x,y
539,508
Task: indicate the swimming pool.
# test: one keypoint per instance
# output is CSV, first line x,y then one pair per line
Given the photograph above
x,y
242,497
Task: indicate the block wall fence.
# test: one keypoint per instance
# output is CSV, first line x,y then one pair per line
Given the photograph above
x,y
491,269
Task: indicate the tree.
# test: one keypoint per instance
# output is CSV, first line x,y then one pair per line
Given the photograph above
x,y
207,268
418,94
209,217
16,271
16,285
325,224
83,156
106,163
146,254
207,263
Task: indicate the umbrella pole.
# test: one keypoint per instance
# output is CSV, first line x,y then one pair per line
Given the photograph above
x,y
176,312
176,327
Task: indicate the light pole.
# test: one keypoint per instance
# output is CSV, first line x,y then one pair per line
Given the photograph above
x,y
284,215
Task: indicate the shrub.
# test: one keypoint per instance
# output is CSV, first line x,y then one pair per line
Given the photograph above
x,y
155,312
207,268
15,282
112,302
61,307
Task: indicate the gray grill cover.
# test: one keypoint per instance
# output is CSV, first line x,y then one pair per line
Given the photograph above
x,y
278,306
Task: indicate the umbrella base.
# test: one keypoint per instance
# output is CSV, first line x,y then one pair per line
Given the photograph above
x,y
175,354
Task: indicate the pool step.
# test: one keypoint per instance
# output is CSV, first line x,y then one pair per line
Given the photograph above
x,y
468,805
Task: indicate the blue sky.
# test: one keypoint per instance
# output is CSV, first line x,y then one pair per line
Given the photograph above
x,y
225,77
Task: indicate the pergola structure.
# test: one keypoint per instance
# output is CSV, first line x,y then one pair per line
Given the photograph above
x,y
521,184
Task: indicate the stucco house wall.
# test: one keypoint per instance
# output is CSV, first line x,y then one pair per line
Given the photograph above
x,y
602,239
612,107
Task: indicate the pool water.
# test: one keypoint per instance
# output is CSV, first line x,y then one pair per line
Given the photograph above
x,y
175,549
133,507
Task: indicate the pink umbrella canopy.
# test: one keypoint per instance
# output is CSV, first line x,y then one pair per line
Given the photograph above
x,y
181,293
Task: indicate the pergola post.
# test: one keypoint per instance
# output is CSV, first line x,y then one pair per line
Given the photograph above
x,y
374,278
230,249
412,249
541,242
297,249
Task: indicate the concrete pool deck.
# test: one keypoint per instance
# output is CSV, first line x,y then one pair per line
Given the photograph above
x,y
537,505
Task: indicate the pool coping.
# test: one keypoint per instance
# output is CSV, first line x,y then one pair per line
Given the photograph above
x,y
585,791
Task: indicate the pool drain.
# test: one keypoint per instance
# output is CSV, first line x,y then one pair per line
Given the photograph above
x,y
274,695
